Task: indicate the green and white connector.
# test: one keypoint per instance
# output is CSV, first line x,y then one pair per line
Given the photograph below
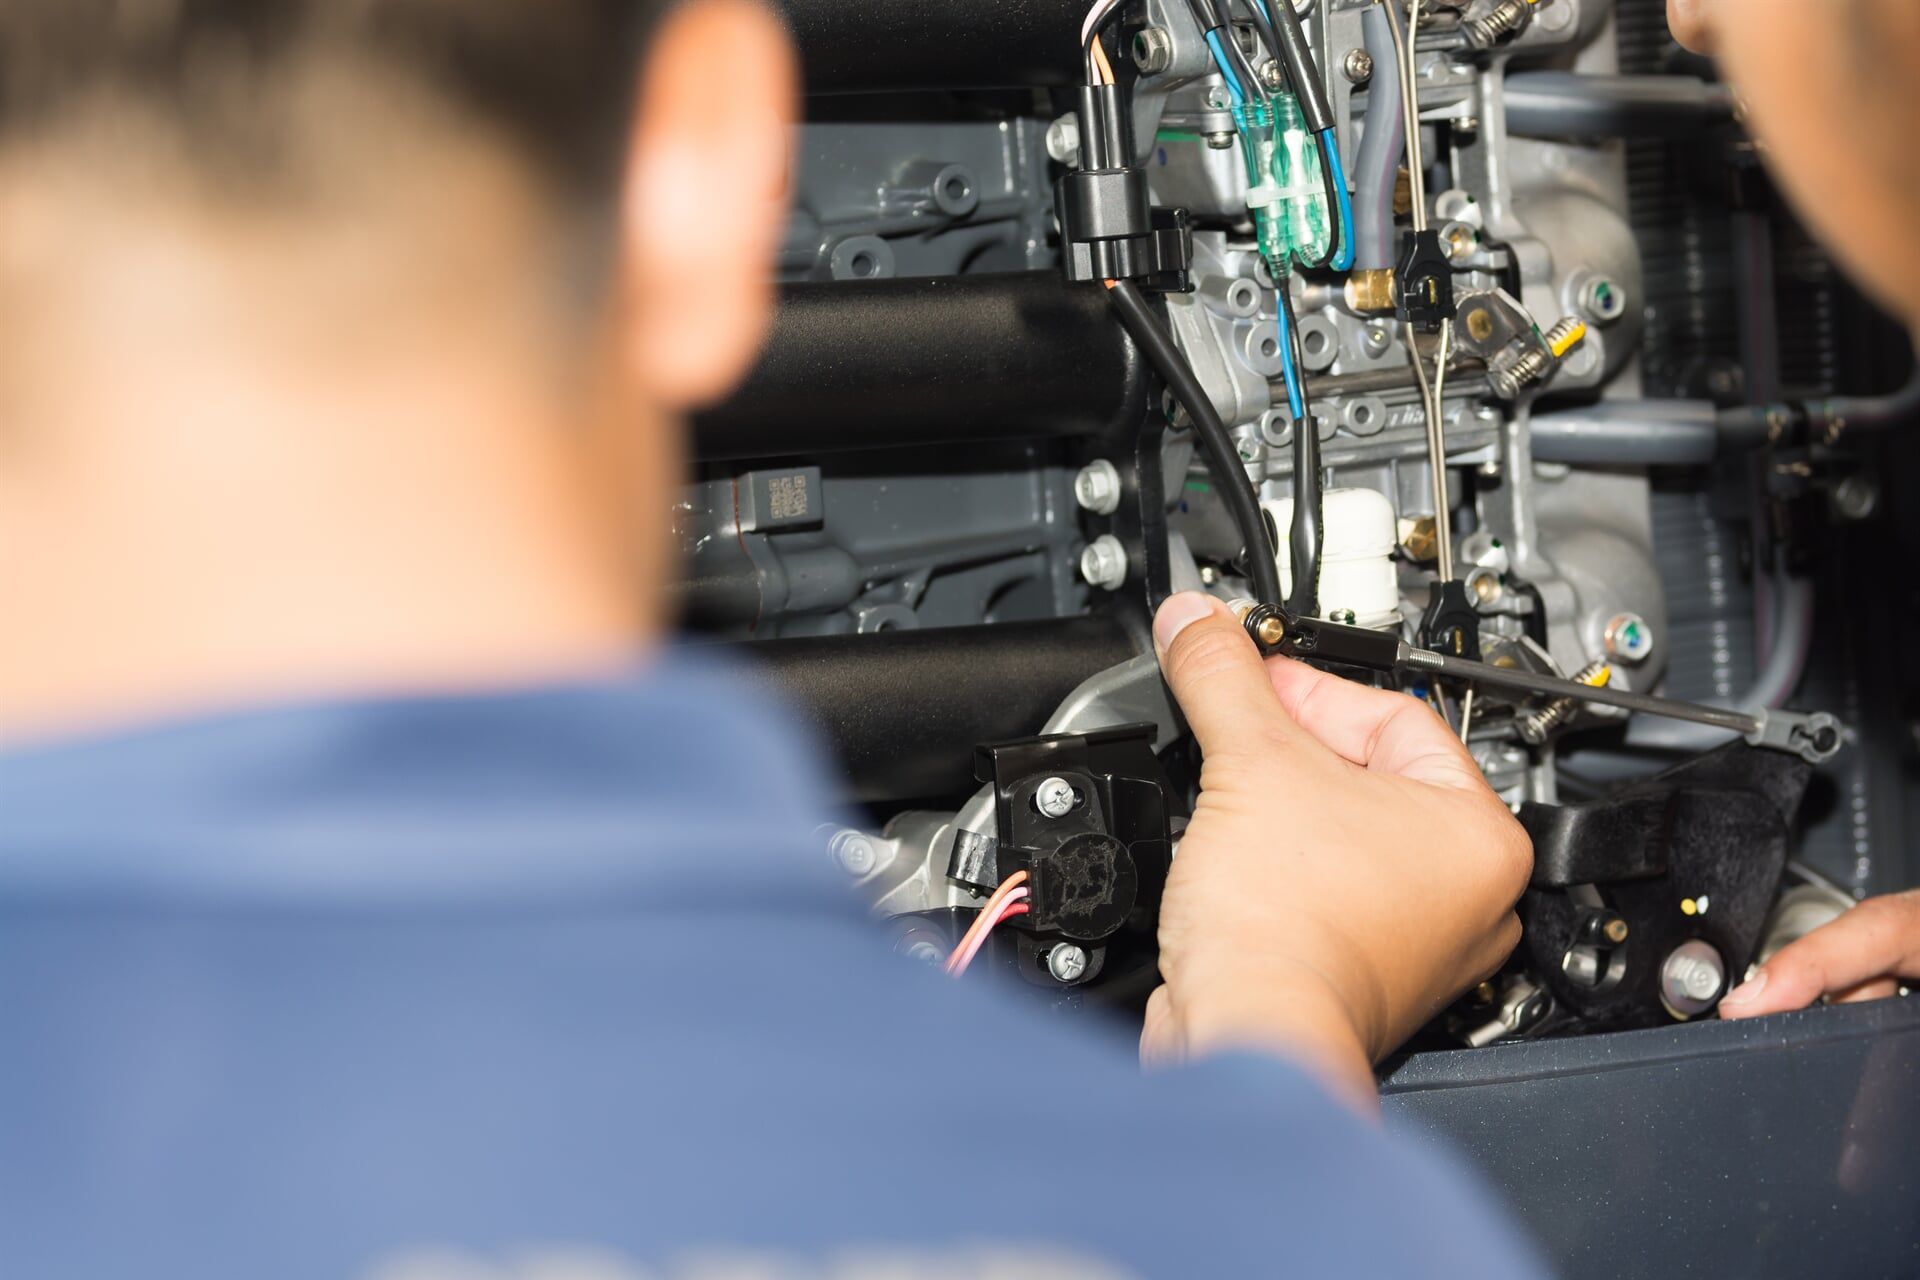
x,y
1285,190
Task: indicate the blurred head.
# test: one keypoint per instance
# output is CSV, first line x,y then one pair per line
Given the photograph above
x,y
344,341
1833,92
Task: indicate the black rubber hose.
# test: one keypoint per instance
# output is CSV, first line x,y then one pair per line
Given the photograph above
x,y
1236,490
1302,70
1308,531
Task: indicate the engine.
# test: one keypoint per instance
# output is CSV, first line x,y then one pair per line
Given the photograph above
x,y
1439,289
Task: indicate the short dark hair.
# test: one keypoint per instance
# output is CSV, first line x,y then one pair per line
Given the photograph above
x,y
553,78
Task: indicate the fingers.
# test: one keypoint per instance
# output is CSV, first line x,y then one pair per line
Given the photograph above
x,y
1215,672
1381,729
1878,939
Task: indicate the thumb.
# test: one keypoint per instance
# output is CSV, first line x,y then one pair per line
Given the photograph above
x,y
1216,673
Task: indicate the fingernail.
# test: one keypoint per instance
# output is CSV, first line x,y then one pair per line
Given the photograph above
x,y
1747,990
1179,613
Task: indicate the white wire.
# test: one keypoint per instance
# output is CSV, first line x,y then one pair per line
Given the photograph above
x,y
1095,16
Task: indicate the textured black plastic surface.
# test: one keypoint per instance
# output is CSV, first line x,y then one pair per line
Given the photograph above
x,y
865,46
871,364
904,709
1781,1147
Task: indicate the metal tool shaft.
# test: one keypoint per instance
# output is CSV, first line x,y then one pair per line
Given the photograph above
x,y
1738,722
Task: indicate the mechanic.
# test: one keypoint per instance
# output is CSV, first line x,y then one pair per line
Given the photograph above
x,y
378,896
1834,92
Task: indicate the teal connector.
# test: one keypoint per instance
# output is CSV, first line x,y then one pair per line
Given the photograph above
x,y
1284,189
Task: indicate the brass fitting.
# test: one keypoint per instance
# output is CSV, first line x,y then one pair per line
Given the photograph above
x,y
1371,290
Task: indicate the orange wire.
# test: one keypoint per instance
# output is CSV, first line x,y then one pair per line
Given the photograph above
x,y
1100,61
988,914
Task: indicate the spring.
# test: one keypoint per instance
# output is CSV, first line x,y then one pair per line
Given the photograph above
x,y
1506,18
1535,728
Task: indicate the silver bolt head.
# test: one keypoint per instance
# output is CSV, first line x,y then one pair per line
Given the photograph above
x,y
1856,497
1628,639
1378,339
1066,962
1104,563
1097,487
1219,141
855,853
1054,798
1063,140
1358,66
1271,75
1692,978
925,952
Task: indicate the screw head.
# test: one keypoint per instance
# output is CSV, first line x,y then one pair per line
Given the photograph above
x,y
1063,140
1378,339
1271,75
1152,50
1358,66
1219,141
1628,638
925,952
1066,962
1615,930
1104,563
1054,798
1097,487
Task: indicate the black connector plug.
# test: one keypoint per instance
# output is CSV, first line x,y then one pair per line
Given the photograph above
x,y
1108,225
1424,281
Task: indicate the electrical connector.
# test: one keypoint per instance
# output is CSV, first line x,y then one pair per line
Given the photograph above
x,y
1108,225
1285,189
1425,280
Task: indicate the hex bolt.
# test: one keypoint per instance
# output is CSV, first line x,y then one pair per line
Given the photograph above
x,y
1628,638
925,952
1152,50
1358,66
1054,798
1692,978
1602,300
855,852
1272,76
1063,140
1104,563
1097,487
1219,141
1066,962
1856,498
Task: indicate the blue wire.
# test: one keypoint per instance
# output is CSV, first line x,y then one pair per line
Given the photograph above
x,y
1296,403
1330,148
1238,94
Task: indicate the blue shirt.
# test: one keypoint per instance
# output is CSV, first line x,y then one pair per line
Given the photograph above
x,y
426,987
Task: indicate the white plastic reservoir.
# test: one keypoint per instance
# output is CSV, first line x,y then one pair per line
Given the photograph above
x,y
1357,572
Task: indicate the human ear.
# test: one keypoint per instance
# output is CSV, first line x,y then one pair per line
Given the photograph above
x,y
705,198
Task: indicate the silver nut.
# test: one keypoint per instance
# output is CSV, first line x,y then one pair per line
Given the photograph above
x,y
1152,50
1358,66
1054,798
1066,962
1628,639
1097,487
1104,563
